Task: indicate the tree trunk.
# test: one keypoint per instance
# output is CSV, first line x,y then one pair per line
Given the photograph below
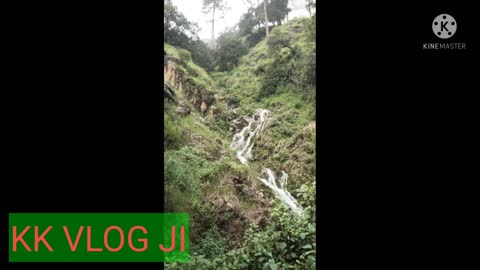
x,y
213,28
266,19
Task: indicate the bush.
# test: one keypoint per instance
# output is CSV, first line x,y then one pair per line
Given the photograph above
x,y
286,243
255,37
229,50
311,29
277,74
202,55
212,243
171,133
220,123
178,170
307,68
184,55
188,169
279,38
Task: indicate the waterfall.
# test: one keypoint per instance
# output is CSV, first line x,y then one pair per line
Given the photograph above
x,y
281,191
243,143
256,124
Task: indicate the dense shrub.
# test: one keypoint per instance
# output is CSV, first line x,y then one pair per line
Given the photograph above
x,y
307,68
278,39
229,50
311,29
171,133
202,55
276,75
185,56
188,169
286,243
292,63
220,123
255,37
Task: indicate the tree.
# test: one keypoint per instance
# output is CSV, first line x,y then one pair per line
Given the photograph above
x,y
277,11
272,11
177,30
211,6
180,32
248,21
310,5
202,55
250,3
266,17
229,50
169,13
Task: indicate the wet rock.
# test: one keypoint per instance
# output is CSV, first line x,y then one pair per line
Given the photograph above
x,y
240,123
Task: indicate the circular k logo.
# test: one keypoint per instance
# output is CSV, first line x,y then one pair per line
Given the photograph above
x,y
444,26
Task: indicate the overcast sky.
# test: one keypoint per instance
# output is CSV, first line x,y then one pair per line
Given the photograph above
x,y
192,9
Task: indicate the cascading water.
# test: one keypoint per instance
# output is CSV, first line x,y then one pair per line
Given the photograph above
x,y
281,191
256,124
243,143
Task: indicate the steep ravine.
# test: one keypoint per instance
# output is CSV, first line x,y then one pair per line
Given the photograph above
x,y
235,196
242,164
202,106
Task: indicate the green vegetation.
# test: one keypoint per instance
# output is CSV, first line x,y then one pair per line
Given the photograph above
x,y
236,222
171,135
229,51
285,243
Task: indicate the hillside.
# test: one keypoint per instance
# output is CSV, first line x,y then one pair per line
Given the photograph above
x,y
240,154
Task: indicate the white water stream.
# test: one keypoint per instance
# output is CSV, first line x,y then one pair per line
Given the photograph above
x,y
256,124
281,191
243,143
